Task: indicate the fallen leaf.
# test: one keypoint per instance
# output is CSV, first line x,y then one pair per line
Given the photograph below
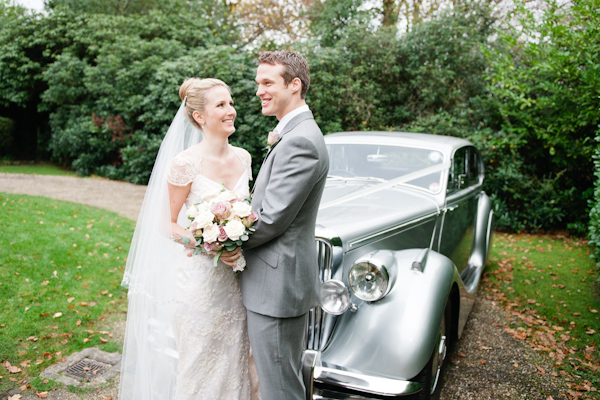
x,y
461,354
78,322
70,299
44,283
541,370
482,361
57,315
103,340
83,304
13,370
42,395
15,397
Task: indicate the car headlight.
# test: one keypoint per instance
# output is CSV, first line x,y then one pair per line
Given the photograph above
x,y
368,281
334,297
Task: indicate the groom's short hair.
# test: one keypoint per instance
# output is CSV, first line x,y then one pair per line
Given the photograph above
x,y
294,66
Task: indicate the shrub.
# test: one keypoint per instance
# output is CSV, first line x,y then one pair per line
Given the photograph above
x,y
7,128
594,225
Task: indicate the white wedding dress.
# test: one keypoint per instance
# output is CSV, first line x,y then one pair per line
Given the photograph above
x,y
210,320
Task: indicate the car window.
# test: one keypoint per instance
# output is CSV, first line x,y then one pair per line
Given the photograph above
x,y
474,167
457,178
421,167
466,169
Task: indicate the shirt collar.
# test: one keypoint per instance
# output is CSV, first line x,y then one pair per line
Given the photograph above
x,y
288,117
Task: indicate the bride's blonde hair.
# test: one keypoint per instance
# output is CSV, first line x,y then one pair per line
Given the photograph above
x,y
193,91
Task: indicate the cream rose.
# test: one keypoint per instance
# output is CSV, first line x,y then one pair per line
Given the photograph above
x,y
211,233
203,219
225,196
192,212
241,209
235,229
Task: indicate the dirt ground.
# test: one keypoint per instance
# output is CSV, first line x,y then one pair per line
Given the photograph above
x,y
487,362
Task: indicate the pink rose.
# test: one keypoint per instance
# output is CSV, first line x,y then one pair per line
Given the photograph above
x,y
273,138
215,246
221,210
223,235
250,219
253,216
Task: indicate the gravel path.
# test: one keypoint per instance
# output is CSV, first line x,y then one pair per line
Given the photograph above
x,y
121,197
486,364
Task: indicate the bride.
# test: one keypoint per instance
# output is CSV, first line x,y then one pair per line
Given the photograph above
x,y
186,335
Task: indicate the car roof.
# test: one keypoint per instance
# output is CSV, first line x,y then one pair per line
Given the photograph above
x,y
423,140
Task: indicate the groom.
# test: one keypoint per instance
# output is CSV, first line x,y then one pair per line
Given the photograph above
x,y
281,282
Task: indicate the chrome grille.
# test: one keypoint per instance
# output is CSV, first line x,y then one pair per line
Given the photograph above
x,y
316,316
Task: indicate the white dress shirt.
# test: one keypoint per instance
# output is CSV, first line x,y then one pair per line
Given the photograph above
x,y
288,117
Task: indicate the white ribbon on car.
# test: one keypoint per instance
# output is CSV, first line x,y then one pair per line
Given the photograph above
x,y
385,185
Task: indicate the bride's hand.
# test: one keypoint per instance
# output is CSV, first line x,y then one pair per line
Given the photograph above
x,y
229,257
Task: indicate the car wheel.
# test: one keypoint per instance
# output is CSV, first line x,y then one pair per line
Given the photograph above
x,y
431,375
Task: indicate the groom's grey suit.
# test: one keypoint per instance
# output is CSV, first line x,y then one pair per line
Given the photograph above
x,y
280,285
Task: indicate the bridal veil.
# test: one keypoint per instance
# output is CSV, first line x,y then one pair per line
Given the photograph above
x,y
149,363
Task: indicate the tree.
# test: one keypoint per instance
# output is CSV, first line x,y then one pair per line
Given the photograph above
x,y
278,21
545,83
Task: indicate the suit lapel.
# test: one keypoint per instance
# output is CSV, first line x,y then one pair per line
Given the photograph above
x,y
288,127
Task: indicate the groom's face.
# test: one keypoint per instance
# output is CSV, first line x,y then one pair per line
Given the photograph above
x,y
276,98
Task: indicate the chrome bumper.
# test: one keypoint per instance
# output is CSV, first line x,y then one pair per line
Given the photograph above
x,y
328,381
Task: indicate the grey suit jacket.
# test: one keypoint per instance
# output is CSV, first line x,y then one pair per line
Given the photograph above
x,y
281,279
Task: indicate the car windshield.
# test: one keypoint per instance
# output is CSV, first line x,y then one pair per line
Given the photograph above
x,y
414,166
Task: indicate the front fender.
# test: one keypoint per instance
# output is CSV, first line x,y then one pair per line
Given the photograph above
x,y
394,337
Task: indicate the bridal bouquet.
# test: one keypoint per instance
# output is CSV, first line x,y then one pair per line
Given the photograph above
x,y
222,222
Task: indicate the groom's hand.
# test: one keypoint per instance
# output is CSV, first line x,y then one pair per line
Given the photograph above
x,y
229,257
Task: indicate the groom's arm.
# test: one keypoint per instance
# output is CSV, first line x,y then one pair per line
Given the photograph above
x,y
293,176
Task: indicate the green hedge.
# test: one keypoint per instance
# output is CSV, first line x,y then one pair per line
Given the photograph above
x,y
7,128
109,84
594,226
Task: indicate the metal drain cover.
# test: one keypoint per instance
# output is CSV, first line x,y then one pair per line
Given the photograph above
x,y
86,369
90,367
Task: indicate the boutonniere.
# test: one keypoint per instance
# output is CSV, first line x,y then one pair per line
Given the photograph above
x,y
272,139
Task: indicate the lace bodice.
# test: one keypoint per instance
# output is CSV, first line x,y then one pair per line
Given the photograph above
x,y
210,320
187,168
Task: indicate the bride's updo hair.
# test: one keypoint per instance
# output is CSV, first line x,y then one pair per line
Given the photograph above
x,y
195,89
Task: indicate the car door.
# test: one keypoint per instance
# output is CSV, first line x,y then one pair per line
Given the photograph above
x,y
458,226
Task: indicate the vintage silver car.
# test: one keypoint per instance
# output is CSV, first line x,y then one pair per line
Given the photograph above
x,y
403,234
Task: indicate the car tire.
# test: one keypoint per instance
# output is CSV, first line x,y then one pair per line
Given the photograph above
x,y
431,375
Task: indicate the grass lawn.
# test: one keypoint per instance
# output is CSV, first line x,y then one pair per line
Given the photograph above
x,y
35,168
549,286
61,265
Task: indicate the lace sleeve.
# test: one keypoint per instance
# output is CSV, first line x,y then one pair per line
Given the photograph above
x,y
246,160
183,170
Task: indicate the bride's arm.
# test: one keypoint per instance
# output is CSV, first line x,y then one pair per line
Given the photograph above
x,y
177,196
